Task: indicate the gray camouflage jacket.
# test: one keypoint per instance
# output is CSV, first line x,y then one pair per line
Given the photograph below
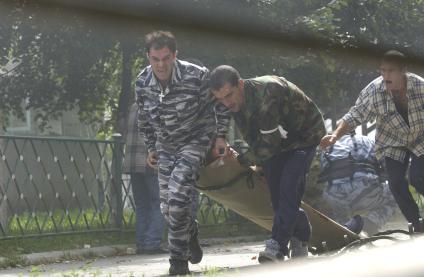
x,y
185,110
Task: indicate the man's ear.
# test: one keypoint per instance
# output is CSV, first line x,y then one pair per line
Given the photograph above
x,y
241,84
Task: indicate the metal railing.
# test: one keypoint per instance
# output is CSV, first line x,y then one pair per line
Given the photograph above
x,y
63,185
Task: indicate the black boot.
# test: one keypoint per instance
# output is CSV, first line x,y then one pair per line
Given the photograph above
x,y
178,267
355,224
196,252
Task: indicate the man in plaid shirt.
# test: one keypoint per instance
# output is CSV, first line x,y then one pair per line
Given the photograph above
x,y
396,101
150,223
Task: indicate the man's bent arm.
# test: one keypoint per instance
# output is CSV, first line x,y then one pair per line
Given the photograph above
x,y
222,117
145,128
341,129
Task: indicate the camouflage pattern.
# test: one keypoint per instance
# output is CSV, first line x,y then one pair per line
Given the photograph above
x,y
178,167
277,117
179,123
186,109
362,193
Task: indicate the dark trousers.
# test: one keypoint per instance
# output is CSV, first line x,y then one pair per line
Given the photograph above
x,y
285,174
150,223
399,185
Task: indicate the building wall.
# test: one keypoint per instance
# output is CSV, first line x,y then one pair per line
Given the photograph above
x,y
68,125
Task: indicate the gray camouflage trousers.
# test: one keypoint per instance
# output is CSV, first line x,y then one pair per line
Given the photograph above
x,y
363,195
178,168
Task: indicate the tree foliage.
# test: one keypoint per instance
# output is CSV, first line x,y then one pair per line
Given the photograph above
x,y
373,24
66,59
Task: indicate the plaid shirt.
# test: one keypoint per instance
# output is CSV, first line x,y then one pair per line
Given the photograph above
x,y
393,135
135,149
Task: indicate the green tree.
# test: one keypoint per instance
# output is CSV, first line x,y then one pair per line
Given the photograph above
x,y
65,60
372,25
77,59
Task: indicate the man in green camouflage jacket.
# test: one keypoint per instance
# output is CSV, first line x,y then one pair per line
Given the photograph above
x,y
282,127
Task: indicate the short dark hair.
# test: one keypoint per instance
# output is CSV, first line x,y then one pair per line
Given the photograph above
x,y
222,75
160,39
394,57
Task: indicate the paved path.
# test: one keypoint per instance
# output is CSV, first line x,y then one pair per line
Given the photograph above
x,y
222,257
229,257
389,260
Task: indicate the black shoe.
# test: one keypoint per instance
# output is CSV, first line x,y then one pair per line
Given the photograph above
x,y
417,227
178,267
265,257
271,253
355,224
196,252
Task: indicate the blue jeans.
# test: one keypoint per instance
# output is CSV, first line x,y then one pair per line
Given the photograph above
x,y
285,174
399,186
150,223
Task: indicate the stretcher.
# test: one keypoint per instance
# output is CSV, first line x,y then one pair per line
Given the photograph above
x,y
245,192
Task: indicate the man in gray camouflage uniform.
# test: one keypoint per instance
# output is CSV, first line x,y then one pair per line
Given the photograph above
x,y
176,116
354,184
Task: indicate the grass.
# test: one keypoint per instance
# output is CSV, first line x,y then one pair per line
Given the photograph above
x,y
86,271
214,271
26,245
18,246
61,221
74,220
12,249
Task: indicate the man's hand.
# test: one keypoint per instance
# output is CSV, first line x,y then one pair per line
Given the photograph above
x,y
256,168
327,140
232,153
152,159
220,149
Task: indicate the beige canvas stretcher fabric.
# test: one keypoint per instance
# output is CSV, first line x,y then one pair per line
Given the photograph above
x,y
246,193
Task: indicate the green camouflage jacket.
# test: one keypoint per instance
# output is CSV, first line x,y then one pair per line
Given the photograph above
x,y
276,117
